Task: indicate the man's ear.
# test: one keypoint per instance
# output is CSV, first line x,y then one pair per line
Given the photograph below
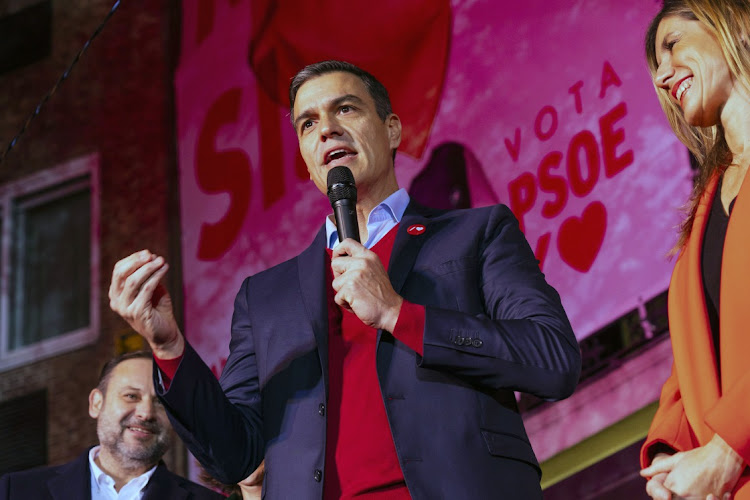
x,y
96,400
394,130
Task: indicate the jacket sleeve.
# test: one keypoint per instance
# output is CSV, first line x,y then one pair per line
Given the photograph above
x,y
523,340
670,430
220,421
730,417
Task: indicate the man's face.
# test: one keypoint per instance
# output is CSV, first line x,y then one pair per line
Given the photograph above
x,y
337,124
132,425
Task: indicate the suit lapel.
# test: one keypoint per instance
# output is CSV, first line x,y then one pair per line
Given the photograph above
x,y
406,247
73,480
161,486
693,350
735,290
312,277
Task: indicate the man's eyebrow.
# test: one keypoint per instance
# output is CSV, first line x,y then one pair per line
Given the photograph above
x,y
302,116
348,97
129,388
332,104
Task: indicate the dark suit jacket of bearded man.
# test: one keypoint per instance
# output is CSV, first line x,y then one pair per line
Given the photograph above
x,y
72,481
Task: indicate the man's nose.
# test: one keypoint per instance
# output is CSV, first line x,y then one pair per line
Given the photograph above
x,y
146,409
329,127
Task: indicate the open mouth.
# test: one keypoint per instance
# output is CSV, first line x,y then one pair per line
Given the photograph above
x,y
338,154
682,88
140,430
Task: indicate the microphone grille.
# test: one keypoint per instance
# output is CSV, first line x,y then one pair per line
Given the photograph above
x,y
341,185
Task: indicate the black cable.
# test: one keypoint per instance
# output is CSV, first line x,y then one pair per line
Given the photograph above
x,y
59,81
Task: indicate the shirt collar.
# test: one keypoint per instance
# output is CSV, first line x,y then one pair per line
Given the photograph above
x,y
392,208
101,477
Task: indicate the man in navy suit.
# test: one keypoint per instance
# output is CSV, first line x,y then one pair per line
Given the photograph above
x,y
134,434
385,369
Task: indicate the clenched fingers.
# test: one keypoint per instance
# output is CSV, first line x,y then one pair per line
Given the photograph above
x,y
134,280
656,489
124,269
348,247
664,464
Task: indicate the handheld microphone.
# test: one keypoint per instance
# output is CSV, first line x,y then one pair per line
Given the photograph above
x,y
342,193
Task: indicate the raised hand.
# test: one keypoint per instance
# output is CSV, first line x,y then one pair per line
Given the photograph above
x,y
137,295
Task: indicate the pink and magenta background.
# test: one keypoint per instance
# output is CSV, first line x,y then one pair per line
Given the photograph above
x,y
513,82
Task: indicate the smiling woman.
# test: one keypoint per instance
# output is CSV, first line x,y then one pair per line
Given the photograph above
x,y
699,442
692,70
725,29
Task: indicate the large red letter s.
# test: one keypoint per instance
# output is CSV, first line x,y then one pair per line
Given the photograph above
x,y
222,172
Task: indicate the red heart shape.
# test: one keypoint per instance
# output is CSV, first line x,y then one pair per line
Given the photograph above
x,y
580,238
415,229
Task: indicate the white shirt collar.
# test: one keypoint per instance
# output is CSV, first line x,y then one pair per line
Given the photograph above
x,y
103,485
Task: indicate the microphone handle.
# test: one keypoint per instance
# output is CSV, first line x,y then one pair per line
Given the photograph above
x,y
345,212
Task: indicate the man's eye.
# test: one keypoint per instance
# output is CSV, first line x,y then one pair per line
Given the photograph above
x,y
345,109
307,124
131,396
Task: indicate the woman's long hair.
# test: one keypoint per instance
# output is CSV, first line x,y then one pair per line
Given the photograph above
x,y
729,22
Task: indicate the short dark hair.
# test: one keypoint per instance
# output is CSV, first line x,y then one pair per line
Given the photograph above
x,y
110,365
377,90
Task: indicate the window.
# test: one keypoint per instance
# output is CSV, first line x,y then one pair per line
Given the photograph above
x,y
49,262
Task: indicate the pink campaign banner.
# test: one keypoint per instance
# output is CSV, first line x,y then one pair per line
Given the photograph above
x,y
544,106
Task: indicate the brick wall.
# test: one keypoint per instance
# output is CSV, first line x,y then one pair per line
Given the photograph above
x,y
117,102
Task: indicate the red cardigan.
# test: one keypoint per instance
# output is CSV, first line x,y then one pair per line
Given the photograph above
x,y
361,457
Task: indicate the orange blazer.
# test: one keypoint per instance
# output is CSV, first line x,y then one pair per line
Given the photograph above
x,y
696,401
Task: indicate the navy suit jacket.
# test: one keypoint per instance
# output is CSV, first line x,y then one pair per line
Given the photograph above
x,y
493,326
72,481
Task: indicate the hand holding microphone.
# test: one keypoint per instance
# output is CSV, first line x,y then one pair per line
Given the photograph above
x,y
359,278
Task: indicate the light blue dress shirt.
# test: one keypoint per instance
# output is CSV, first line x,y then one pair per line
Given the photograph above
x,y
381,220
